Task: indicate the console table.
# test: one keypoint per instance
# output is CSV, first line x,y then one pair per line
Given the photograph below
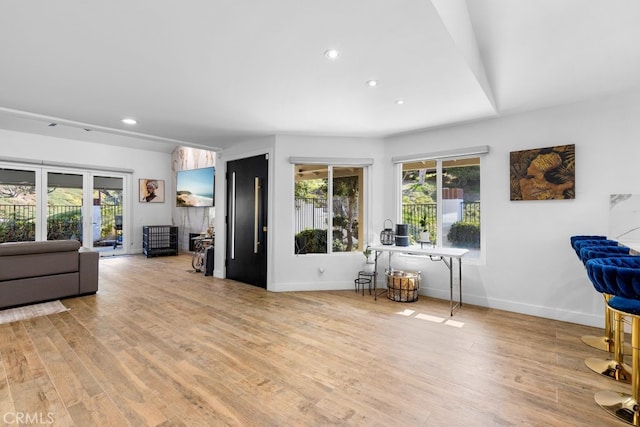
x,y
446,255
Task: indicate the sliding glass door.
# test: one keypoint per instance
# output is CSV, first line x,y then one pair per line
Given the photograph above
x,y
61,204
63,209
107,219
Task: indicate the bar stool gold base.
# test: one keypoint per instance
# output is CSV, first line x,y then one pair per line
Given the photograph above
x,y
603,343
620,405
610,368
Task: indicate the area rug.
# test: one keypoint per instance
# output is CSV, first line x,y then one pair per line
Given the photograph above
x,y
31,311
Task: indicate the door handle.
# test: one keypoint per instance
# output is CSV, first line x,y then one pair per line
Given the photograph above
x,y
256,197
233,215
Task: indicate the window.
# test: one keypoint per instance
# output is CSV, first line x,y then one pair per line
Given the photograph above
x,y
442,197
17,205
328,208
38,203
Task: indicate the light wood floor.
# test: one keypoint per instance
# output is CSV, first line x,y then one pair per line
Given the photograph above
x,y
162,346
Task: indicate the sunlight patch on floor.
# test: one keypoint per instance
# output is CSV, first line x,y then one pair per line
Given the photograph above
x,y
406,312
430,318
454,323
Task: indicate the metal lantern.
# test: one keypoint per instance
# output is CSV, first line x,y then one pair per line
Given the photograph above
x,y
387,236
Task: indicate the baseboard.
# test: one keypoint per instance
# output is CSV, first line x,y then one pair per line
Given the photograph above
x,y
522,308
313,286
512,306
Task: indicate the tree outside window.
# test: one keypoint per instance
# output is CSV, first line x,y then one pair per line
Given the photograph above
x,y
442,197
328,208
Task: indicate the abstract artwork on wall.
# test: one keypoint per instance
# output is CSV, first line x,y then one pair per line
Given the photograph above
x,y
543,173
151,190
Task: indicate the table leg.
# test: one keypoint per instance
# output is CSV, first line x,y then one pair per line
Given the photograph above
x,y
459,303
451,285
460,278
375,276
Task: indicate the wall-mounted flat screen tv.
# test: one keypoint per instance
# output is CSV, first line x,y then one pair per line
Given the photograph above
x,y
195,187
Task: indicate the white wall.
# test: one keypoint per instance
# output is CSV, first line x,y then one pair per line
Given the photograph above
x,y
301,272
530,266
145,164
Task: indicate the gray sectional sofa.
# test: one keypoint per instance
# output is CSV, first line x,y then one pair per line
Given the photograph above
x,y
42,271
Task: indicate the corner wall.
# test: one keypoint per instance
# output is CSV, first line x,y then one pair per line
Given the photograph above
x,y
530,267
302,272
190,220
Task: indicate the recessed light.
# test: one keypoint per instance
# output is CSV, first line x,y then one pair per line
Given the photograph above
x,y
129,121
332,54
399,101
372,83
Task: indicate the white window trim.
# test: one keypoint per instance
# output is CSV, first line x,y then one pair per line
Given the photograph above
x,y
443,155
440,156
331,162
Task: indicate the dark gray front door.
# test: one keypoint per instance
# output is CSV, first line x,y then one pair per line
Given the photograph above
x,y
247,192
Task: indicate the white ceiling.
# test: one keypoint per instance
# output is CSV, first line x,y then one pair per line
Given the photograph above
x,y
211,72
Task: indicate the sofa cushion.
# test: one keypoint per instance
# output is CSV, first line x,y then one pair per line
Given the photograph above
x,y
22,248
33,259
36,289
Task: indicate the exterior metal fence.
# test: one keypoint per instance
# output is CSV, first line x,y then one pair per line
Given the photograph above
x,y
412,213
17,222
310,213
471,212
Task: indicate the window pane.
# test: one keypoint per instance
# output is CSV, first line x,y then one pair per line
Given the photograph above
x,y
419,196
107,211
311,210
17,205
347,209
461,204
64,206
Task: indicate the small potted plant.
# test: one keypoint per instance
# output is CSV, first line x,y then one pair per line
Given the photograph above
x,y
369,265
425,236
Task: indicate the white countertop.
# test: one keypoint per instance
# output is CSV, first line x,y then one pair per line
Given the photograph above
x,y
417,250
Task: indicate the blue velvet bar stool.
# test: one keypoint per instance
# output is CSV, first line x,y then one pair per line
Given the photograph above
x,y
604,342
613,368
620,277
579,244
590,252
578,238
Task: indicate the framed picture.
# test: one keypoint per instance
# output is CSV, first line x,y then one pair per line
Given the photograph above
x,y
195,187
543,173
151,190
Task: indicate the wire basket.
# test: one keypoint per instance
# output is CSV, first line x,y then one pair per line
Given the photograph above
x,y
402,286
